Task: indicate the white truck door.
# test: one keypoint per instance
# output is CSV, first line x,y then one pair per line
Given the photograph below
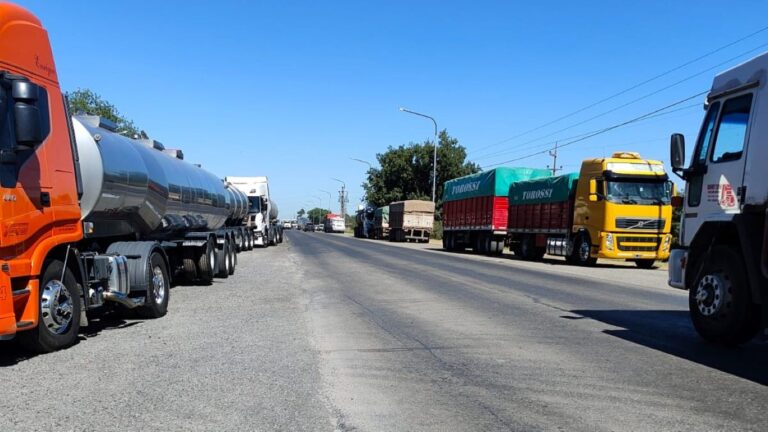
x,y
717,169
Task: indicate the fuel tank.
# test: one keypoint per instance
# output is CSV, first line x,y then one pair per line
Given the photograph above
x,y
134,187
238,205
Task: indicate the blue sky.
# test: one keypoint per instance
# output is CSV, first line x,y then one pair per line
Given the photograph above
x,y
294,90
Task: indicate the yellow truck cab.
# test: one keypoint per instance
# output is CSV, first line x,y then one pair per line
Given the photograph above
x,y
623,210
617,207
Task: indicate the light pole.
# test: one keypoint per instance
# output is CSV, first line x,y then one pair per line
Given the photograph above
x,y
329,198
343,197
434,158
370,167
363,161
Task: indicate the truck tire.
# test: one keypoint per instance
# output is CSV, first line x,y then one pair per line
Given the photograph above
x,y
206,262
59,314
232,258
528,249
158,289
646,264
223,261
581,251
720,300
188,264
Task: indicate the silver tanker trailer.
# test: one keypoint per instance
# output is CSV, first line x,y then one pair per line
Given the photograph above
x,y
149,216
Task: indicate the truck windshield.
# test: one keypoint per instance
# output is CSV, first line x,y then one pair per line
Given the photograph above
x,y
255,205
634,192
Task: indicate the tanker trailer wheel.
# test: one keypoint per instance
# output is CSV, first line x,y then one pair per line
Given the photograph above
x,y
232,258
223,261
158,289
59,314
243,242
248,240
720,300
206,262
188,264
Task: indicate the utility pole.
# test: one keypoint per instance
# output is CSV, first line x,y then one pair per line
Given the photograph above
x,y
554,168
343,200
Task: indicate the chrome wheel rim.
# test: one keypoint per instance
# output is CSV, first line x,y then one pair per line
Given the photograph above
x,y
712,294
211,259
158,283
584,251
56,307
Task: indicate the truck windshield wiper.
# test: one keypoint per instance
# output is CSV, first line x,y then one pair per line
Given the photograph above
x,y
628,201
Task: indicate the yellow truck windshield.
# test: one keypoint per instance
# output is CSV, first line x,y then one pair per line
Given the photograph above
x,y
638,192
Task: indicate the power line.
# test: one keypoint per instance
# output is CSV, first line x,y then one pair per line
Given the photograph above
x,y
548,144
628,89
604,130
646,96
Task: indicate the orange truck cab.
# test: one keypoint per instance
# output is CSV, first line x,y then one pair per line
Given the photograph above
x,y
39,211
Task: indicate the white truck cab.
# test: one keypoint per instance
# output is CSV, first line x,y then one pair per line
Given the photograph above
x,y
722,260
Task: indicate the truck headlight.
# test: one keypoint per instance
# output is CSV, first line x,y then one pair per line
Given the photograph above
x,y
667,242
609,241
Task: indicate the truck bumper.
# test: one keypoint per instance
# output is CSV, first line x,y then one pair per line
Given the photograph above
x,y
7,313
634,246
677,261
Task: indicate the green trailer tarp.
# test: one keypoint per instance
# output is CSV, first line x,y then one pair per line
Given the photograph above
x,y
493,182
544,190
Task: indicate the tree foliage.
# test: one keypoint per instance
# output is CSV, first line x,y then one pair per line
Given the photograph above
x,y
301,213
85,101
316,215
406,171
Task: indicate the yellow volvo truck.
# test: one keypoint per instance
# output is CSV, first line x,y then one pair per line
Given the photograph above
x,y
617,207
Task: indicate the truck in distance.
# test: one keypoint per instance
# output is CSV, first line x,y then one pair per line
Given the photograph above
x,y
617,207
475,208
411,220
262,212
381,223
334,223
723,256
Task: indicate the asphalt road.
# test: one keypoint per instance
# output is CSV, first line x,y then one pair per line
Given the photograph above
x,y
329,332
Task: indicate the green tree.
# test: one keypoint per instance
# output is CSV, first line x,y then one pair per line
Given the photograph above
x,y
85,101
301,213
406,171
316,215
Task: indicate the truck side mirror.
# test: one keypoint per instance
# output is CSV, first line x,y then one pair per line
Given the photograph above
x,y
28,124
677,151
593,197
677,201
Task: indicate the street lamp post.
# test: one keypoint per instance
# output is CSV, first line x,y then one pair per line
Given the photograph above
x,y
370,167
434,157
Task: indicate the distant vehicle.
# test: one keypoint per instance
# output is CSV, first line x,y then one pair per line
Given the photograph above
x,y
364,222
294,224
411,220
319,228
381,223
287,225
334,223
262,214
309,227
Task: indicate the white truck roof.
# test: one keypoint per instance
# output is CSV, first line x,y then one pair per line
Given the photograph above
x,y
251,186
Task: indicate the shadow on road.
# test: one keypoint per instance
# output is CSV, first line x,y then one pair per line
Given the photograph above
x,y
512,257
671,331
12,353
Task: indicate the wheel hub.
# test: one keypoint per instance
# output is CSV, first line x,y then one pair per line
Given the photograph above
x,y
711,294
158,283
584,251
56,307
